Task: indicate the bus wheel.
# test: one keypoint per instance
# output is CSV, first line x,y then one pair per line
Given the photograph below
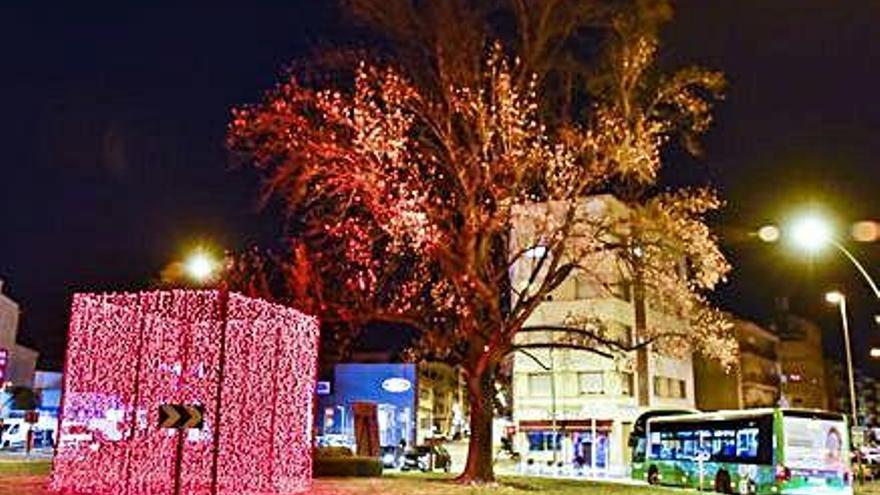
x,y
722,482
653,475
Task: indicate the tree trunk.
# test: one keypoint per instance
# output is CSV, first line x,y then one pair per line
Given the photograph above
x,y
480,462
643,367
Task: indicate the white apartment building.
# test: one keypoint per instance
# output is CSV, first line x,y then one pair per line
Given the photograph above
x,y
20,360
580,411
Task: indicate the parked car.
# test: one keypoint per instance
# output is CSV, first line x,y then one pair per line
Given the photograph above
x,y
426,457
870,454
866,463
391,456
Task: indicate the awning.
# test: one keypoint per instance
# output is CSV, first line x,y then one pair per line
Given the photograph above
x,y
565,425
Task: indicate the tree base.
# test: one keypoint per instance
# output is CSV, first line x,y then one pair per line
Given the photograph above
x,y
468,480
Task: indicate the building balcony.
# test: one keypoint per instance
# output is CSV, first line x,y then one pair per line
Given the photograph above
x,y
754,351
761,379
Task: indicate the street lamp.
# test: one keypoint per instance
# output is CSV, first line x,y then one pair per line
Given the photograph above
x,y
200,266
838,299
812,233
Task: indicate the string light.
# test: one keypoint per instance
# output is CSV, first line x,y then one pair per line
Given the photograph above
x,y
128,353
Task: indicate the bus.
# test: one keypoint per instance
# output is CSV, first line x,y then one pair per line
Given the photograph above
x,y
754,451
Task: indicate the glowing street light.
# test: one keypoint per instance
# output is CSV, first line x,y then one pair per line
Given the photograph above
x,y
812,233
200,266
835,297
838,299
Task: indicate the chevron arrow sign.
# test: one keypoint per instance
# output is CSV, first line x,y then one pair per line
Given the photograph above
x,y
181,416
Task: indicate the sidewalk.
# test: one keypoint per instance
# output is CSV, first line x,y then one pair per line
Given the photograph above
x,y
511,468
20,455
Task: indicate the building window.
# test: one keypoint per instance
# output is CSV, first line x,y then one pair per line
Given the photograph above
x,y
627,384
672,388
540,441
591,382
539,384
660,386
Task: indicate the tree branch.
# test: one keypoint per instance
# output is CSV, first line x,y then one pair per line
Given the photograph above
x,y
562,345
588,334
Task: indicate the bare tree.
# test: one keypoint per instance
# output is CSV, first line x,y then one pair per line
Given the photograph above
x,y
414,201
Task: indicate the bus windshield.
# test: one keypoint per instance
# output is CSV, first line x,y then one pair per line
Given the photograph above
x,y
814,443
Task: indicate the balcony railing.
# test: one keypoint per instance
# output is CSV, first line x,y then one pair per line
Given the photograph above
x,y
761,378
760,351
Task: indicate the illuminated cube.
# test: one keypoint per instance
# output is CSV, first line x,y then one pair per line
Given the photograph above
x,y
250,364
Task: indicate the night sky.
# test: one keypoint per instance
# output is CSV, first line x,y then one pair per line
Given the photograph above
x,y
113,122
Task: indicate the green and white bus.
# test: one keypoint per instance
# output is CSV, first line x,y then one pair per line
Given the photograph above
x,y
752,451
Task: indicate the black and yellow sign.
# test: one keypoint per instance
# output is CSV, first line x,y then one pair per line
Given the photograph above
x,y
181,416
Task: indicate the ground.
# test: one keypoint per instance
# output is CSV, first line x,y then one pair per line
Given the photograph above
x,y
30,479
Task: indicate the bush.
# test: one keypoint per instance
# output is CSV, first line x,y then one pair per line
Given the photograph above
x,y
346,466
333,452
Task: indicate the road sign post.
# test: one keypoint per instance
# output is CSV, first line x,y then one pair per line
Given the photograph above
x,y
178,461
181,417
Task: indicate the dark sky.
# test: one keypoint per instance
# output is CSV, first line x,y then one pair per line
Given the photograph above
x,y
113,121
798,130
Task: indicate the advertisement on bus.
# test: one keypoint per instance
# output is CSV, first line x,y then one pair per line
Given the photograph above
x,y
816,445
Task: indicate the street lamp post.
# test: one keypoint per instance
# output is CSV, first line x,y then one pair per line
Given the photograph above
x,y
812,233
839,300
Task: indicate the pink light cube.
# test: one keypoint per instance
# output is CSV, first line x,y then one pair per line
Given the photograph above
x,y
250,364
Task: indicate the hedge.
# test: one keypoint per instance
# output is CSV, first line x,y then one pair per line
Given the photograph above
x,y
333,452
346,466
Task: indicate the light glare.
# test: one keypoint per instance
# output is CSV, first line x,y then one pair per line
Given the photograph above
x,y
866,231
200,267
768,233
811,233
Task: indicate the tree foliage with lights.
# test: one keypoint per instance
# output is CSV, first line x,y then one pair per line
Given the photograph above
x,y
455,195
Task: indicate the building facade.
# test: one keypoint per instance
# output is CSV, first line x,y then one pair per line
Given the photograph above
x,y
20,361
867,392
803,363
574,408
415,403
441,402
756,382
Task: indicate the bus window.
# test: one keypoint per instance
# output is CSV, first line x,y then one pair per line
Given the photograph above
x,y
747,443
638,449
655,444
747,440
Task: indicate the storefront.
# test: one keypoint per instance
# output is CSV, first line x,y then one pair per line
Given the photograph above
x,y
392,387
578,444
